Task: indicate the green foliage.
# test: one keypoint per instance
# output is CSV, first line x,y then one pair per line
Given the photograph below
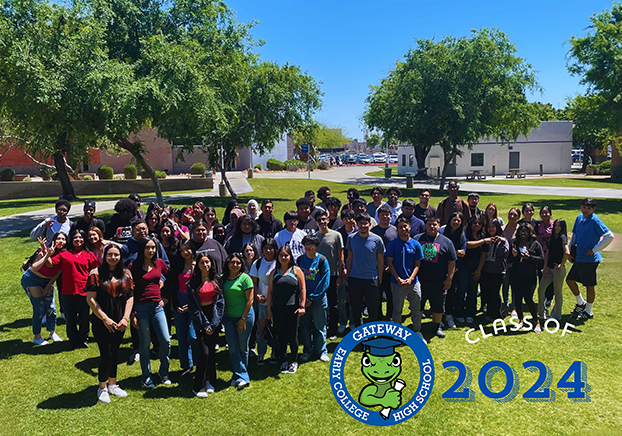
x,y
27,179
318,136
603,168
46,173
160,174
294,162
54,176
257,166
130,172
144,174
198,169
545,111
105,172
275,165
7,175
321,165
373,139
88,177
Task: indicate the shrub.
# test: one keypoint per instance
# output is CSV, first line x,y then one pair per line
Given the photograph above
x,y
130,172
46,173
603,168
160,174
88,177
7,175
144,174
105,173
257,167
54,176
294,162
275,165
27,179
197,169
322,165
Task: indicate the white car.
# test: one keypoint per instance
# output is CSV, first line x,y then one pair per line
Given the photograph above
x,y
379,158
392,158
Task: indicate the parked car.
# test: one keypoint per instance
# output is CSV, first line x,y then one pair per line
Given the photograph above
x,y
392,158
363,159
350,158
379,157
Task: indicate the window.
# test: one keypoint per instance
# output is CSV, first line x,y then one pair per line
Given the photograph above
x,y
477,159
411,160
403,160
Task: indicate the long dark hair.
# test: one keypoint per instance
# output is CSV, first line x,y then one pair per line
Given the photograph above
x,y
497,225
218,226
118,273
238,226
226,271
288,250
196,279
564,228
529,227
455,236
230,206
468,231
72,234
137,266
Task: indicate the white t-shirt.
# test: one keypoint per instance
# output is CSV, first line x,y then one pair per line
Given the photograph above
x,y
292,240
263,275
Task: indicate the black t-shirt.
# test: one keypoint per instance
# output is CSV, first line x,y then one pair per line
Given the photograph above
x,y
473,253
269,229
422,213
556,250
437,253
85,227
215,251
387,234
344,236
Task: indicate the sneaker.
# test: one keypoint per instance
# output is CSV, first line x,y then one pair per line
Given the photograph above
x,y
469,319
460,319
537,329
260,361
116,391
422,338
166,380
584,316
53,336
293,367
134,357
102,395
187,371
579,308
439,332
209,388
304,357
450,322
332,338
325,358
241,385
201,394
548,303
284,367
514,314
341,330
40,341
216,347
148,384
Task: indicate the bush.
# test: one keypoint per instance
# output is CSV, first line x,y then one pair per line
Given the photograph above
x,y
294,162
257,167
87,177
130,172
323,165
160,174
105,173
27,179
144,174
603,168
46,173
275,165
54,176
198,169
7,175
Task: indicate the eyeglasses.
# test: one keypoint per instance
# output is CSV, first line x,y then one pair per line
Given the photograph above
x,y
424,195
62,209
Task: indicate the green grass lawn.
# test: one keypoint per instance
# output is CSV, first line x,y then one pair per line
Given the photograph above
x,y
380,172
571,182
52,391
12,207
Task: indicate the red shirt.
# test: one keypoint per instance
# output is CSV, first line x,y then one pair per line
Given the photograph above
x,y
46,271
147,287
76,267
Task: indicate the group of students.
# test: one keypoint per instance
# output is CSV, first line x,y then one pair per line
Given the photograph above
x,y
265,282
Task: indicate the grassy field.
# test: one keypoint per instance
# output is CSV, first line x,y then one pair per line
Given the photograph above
x,y
52,391
380,172
11,207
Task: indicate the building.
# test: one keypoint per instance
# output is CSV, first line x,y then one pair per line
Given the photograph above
x,y
549,145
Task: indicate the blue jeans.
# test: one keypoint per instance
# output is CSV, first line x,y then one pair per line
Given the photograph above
x,y
238,346
186,339
152,315
313,324
466,299
43,305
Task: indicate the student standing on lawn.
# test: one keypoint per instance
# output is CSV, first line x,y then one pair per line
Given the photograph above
x,y
269,226
206,305
316,271
333,206
376,195
454,231
590,236
544,232
393,201
47,228
437,269
388,233
286,304
323,194
147,271
509,233
365,268
111,298
423,208
331,246
291,236
348,228
75,263
452,204
88,220
408,211
473,200
554,271
119,229
306,222
246,232
492,269
239,316
404,256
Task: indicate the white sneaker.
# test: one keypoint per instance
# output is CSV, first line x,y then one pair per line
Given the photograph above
x,y
102,395
201,394
325,358
40,341
209,388
450,322
55,337
422,338
293,367
116,391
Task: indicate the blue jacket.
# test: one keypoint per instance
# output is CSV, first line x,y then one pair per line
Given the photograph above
x,y
317,275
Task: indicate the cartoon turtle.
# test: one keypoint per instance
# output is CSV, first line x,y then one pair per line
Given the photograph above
x,y
381,365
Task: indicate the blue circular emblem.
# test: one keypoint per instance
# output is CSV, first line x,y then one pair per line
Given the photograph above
x,y
384,407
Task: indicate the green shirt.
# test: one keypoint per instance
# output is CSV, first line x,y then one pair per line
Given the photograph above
x,y
235,298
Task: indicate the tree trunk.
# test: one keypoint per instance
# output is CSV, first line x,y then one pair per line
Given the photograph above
x,y
447,158
223,175
586,158
63,177
421,153
616,161
140,161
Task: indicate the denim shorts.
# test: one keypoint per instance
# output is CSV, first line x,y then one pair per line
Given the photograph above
x,y
31,280
262,311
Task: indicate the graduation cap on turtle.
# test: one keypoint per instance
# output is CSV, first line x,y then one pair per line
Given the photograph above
x,y
381,346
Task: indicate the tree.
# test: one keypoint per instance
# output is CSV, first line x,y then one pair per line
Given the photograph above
x,y
319,136
545,111
453,93
597,59
373,139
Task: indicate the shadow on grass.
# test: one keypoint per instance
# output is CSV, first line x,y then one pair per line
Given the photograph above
x,y
17,324
15,347
71,401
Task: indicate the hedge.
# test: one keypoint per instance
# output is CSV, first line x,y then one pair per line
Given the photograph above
x,y
275,165
105,173
7,175
130,172
197,169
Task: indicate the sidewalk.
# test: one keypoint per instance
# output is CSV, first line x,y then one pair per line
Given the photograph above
x,y
28,220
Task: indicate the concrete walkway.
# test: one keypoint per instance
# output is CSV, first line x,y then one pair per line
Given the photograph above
x,y
28,220
356,175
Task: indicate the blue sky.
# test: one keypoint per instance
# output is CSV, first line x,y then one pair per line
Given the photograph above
x,y
349,45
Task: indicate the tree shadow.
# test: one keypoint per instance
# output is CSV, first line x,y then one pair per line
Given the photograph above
x,y
15,347
17,324
71,401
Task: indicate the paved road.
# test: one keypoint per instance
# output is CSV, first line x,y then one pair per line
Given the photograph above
x,y
28,220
